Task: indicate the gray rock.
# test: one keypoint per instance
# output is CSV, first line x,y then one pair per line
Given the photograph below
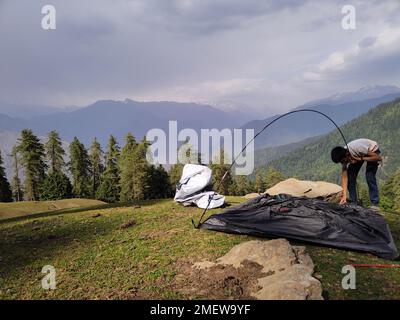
x,y
289,270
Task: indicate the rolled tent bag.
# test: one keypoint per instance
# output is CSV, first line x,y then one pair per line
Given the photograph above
x,y
193,187
315,221
201,200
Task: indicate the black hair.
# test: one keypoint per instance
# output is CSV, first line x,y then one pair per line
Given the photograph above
x,y
338,154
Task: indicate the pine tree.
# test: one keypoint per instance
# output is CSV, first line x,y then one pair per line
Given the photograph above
x,y
175,171
54,152
5,189
79,167
259,183
189,154
127,167
141,169
16,184
243,186
56,185
96,166
158,183
109,188
32,155
219,170
272,177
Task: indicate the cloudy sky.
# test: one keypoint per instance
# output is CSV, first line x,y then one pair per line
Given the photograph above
x,y
269,54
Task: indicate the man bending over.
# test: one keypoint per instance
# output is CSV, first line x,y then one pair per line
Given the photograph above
x,y
352,159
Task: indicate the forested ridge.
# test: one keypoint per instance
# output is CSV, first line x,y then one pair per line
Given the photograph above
x,y
313,162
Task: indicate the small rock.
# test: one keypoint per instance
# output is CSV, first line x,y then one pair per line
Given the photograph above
x,y
318,276
203,265
128,224
180,278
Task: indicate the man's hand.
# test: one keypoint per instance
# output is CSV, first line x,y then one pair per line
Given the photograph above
x,y
373,157
343,199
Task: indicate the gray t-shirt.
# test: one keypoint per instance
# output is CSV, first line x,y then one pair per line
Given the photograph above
x,y
361,147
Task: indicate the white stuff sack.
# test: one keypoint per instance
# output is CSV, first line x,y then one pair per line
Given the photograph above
x,y
191,187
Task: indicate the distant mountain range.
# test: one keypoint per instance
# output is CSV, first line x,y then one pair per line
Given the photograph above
x,y
364,93
341,108
28,111
106,117
244,111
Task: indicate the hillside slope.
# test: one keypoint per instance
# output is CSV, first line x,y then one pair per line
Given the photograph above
x,y
264,156
26,208
381,124
299,126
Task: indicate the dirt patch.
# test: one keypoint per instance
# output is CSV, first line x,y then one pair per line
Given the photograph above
x,y
264,270
218,281
157,234
128,224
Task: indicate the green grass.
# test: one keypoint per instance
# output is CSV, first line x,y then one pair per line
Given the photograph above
x,y
97,259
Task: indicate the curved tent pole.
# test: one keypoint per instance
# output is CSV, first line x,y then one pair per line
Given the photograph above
x,y
211,197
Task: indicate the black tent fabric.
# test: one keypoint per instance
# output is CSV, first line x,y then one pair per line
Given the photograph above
x,y
310,220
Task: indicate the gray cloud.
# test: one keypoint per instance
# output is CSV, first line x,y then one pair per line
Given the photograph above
x,y
253,52
367,42
209,16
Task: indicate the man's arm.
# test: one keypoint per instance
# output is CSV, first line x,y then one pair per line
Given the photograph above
x,y
372,157
343,200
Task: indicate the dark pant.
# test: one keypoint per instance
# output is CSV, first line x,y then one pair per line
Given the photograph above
x,y
352,172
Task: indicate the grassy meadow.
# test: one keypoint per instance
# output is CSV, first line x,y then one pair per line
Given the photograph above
x,y
125,251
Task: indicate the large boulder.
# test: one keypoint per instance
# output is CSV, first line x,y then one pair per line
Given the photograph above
x,y
301,188
286,271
